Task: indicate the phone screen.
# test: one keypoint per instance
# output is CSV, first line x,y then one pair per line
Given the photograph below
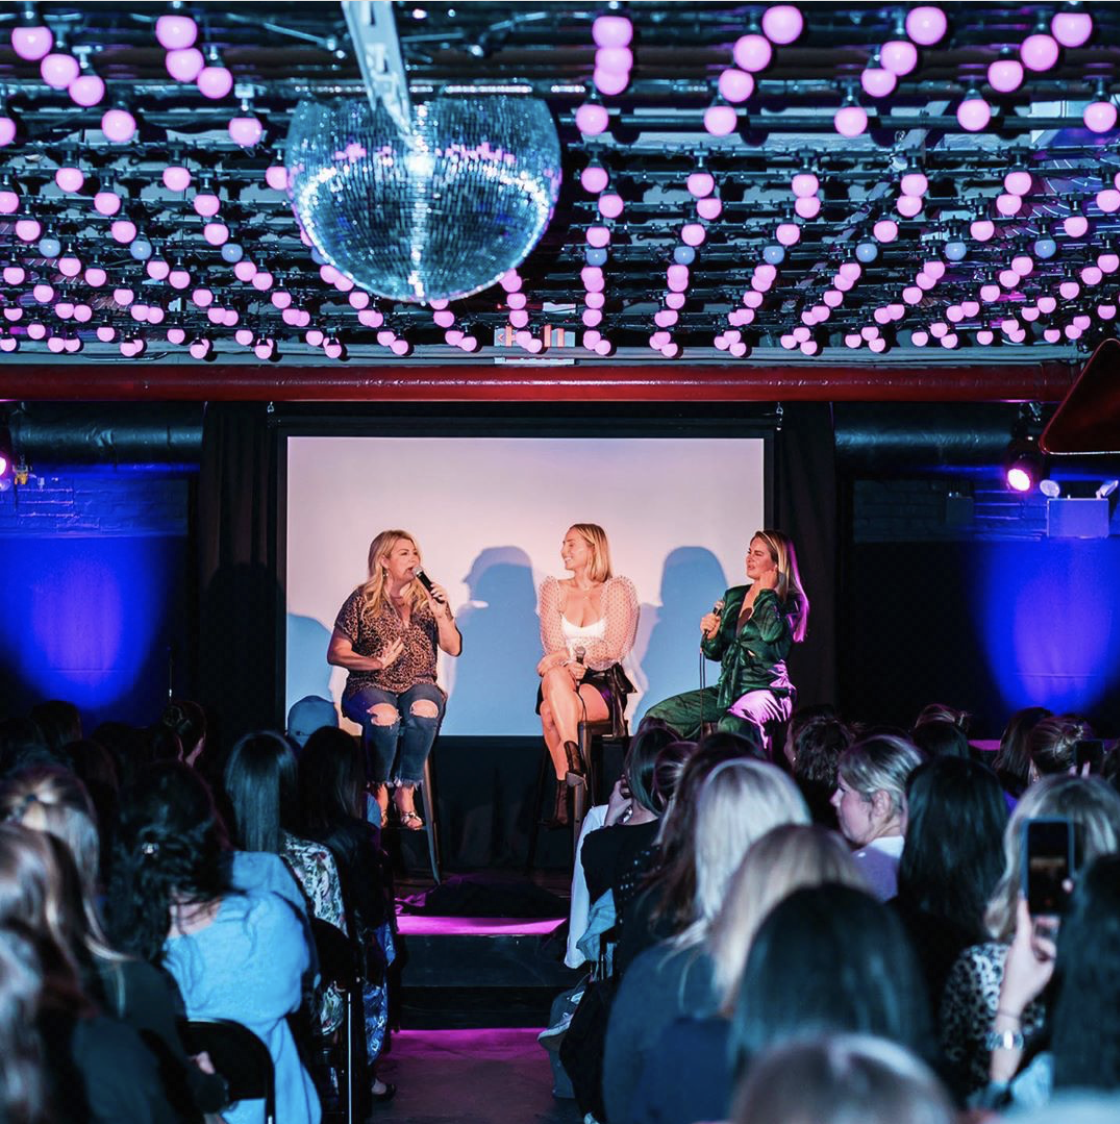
x,y
1089,751
1049,863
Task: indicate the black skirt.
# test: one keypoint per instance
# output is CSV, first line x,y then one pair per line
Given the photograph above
x,y
615,688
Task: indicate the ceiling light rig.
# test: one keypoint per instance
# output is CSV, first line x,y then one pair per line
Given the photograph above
x,y
123,187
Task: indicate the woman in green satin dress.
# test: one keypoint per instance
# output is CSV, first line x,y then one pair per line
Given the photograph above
x,y
751,637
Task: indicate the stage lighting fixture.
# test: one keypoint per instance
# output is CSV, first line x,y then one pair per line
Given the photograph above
x,y
1024,465
1107,489
7,453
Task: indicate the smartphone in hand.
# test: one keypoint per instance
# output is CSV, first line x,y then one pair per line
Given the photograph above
x,y
1049,863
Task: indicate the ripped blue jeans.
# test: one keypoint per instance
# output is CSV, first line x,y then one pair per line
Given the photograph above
x,y
413,734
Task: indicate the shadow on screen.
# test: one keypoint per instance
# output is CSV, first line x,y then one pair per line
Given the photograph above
x,y
495,688
669,634
308,670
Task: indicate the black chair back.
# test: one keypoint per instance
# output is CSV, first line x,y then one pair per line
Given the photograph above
x,y
239,1056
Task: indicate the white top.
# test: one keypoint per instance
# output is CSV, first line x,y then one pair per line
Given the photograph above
x,y
581,635
879,862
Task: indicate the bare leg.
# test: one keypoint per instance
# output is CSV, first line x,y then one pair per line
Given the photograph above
x,y
566,707
554,742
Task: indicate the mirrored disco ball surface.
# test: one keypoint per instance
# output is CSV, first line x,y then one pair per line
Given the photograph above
x,y
435,216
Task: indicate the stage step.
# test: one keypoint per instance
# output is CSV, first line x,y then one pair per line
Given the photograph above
x,y
481,971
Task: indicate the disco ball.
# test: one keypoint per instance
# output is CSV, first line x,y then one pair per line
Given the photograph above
x,y
438,215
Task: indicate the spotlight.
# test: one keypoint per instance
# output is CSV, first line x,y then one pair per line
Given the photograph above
x,y
1024,466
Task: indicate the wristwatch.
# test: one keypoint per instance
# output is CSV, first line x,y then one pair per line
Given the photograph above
x,y
1004,1040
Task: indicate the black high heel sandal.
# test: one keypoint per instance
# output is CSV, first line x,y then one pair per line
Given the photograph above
x,y
575,764
560,816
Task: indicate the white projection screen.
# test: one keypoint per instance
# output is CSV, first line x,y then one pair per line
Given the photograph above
x,y
489,514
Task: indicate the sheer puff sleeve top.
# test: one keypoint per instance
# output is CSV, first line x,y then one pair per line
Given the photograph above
x,y
620,611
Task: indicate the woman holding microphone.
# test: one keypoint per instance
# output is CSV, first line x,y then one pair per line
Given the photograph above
x,y
386,635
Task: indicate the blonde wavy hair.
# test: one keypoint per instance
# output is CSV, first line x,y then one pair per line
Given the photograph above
x,y
783,556
373,589
790,857
739,801
596,538
1093,806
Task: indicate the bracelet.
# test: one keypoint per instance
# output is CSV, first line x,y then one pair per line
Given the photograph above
x,y
1004,1040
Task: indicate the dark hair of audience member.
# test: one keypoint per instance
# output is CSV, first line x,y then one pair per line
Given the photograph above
x,y
262,788
1052,743
22,1091
163,744
667,770
941,739
23,744
953,857
830,959
674,880
816,749
744,743
93,765
1013,762
1110,768
942,712
1085,1031
188,720
127,745
169,848
331,781
641,763
60,722
840,1079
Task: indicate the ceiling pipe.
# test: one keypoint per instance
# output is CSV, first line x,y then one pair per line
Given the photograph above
x,y
1041,382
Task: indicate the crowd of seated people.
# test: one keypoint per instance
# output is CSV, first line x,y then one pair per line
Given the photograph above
x,y
855,945
839,933
149,884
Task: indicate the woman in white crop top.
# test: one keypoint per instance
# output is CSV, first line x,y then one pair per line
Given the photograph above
x,y
588,625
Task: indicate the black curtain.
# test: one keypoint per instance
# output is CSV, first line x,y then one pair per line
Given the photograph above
x,y
806,504
239,592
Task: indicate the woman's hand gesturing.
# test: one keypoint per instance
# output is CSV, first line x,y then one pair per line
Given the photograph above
x,y
391,654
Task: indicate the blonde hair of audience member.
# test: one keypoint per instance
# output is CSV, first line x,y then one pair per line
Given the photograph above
x,y
1094,808
785,859
880,765
842,1079
739,802
53,801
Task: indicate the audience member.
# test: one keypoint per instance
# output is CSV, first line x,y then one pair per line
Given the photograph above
x,y
332,794
98,1069
1084,1030
971,996
234,955
951,861
814,753
1013,762
698,1084
23,1092
187,720
738,802
870,803
1052,745
942,712
830,959
22,744
842,1079
940,739
60,722
309,714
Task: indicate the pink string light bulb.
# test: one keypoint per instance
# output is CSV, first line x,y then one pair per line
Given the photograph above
x,y
245,130
752,52
878,82
214,81
1039,52
592,119
899,56
1100,116
1005,75
32,43
1072,28
107,203
185,64
59,70
70,179
782,24
720,120
974,113
594,179
87,90
926,25
118,125
176,178
735,85
176,31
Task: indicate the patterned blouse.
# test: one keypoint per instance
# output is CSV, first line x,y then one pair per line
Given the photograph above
x,y
316,871
416,664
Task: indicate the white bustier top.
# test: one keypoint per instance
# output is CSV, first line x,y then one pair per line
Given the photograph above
x,y
578,636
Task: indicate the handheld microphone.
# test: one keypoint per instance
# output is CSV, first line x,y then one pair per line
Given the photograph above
x,y
581,655
423,578
717,608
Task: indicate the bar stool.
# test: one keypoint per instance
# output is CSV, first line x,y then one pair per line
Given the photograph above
x,y
431,826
